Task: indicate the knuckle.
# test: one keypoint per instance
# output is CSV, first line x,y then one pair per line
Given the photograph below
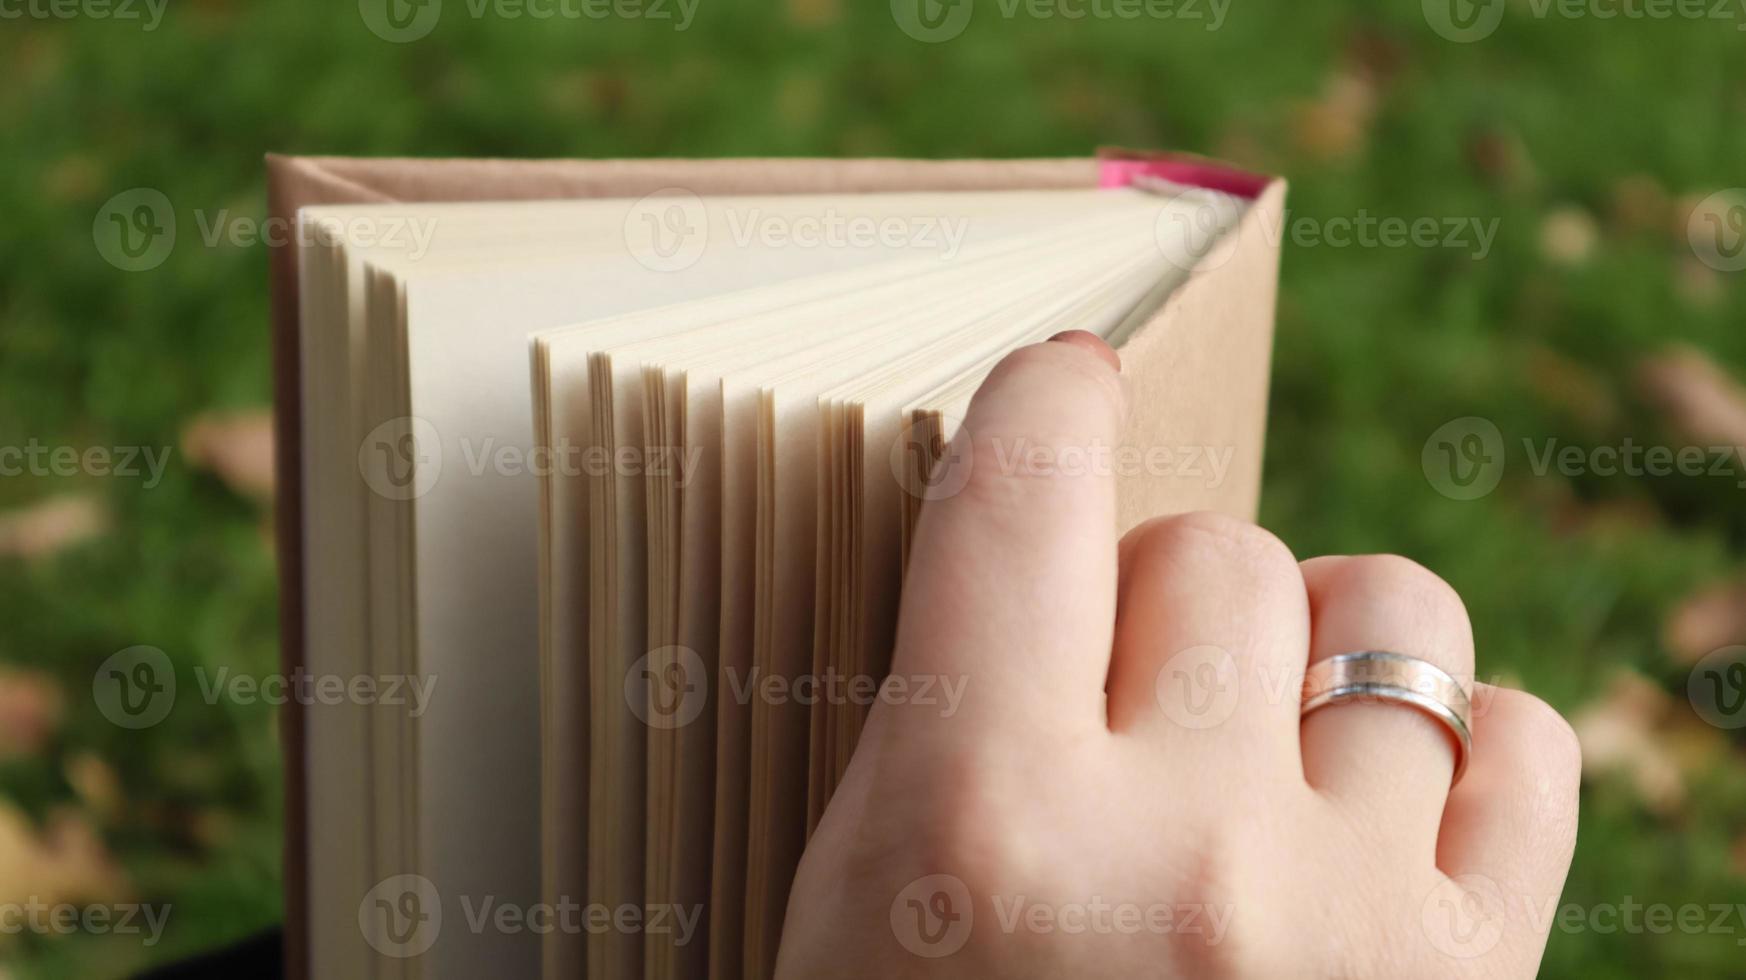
x,y
1558,750
1395,581
1195,538
1248,945
971,830
969,819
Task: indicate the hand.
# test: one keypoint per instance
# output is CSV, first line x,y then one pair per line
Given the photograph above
x,y
1126,788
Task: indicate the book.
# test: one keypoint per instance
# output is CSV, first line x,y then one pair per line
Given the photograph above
x,y
616,463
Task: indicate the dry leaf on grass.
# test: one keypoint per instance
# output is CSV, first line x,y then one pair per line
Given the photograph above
x,y
1699,398
1707,620
814,13
1572,386
73,178
31,706
95,782
585,91
1698,283
1568,236
1336,125
1697,216
1501,158
50,526
1616,733
1635,730
1569,515
212,827
65,862
237,447
1639,204
1243,146
1379,54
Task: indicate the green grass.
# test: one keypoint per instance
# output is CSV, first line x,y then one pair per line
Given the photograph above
x,y
1376,348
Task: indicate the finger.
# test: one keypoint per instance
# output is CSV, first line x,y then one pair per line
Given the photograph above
x,y
1510,827
1211,628
1011,580
1087,341
1507,838
1389,764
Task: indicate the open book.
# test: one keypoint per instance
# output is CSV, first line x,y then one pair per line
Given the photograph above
x,y
622,479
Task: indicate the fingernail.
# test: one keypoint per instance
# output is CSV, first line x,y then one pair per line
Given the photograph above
x,y
1091,342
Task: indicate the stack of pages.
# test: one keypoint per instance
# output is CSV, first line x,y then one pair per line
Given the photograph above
x,y
693,511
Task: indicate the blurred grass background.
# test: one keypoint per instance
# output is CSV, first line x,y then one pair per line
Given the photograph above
x,y
1589,141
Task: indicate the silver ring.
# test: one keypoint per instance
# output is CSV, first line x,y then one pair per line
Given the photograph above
x,y
1378,676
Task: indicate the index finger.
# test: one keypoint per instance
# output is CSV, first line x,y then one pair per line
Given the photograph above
x,y
1012,580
